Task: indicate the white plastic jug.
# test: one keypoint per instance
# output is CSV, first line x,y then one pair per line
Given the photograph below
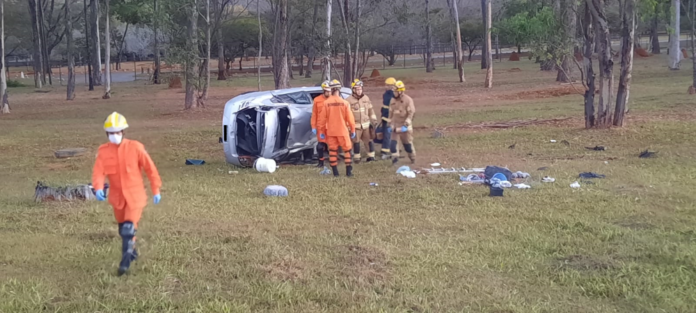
x,y
265,165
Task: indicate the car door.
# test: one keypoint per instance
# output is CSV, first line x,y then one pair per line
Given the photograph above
x,y
300,136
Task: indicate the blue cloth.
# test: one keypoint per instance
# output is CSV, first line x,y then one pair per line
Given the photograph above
x,y
275,191
352,135
500,177
100,195
157,199
404,129
314,131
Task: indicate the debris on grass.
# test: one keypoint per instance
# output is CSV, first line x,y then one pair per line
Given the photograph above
x,y
590,175
325,171
435,164
69,152
194,162
374,184
565,142
597,148
575,185
647,154
43,192
553,141
548,179
523,186
471,179
512,146
275,191
519,174
583,263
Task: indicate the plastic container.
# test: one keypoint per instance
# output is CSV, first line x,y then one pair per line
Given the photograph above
x,y
496,192
265,165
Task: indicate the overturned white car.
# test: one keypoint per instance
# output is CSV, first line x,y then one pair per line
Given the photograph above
x,y
270,124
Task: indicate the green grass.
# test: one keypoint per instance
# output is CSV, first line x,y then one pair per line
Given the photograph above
x,y
216,244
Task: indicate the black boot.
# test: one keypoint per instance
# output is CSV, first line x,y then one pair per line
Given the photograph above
x,y
349,171
335,171
370,159
127,232
321,164
395,160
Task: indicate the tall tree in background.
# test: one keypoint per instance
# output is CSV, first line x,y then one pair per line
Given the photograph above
x,y
485,46
692,89
358,10
311,54
589,81
96,45
347,75
34,8
429,40
206,61
454,13
327,56
156,52
675,53
258,19
489,53
107,53
281,75
71,59
4,102
606,64
191,54
88,52
628,26
569,21
220,6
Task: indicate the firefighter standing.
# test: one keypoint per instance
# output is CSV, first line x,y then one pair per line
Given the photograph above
x,y
401,110
334,125
317,110
364,117
386,130
122,161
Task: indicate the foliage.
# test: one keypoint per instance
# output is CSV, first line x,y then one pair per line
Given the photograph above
x,y
240,35
136,12
540,31
14,84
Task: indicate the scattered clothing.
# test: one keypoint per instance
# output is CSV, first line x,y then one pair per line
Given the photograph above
x,y
590,175
548,179
523,186
492,170
521,175
275,191
403,169
408,174
575,185
472,178
325,171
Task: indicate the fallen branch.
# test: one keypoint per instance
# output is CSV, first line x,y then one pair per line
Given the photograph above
x,y
510,124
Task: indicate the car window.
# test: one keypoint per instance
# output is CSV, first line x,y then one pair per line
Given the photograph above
x,y
294,98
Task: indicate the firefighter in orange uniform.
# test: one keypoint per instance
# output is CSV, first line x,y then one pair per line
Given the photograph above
x,y
317,110
334,126
122,161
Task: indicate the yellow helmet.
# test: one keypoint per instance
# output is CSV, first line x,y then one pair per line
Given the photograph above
x,y
400,86
115,123
390,81
356,83
335,84
326,85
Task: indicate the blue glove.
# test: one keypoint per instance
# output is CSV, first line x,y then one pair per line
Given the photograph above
x,y
322,136
389,130
314,131
404,129
100,195
157,199
352,135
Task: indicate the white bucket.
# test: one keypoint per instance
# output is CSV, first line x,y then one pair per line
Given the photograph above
x,y
265,165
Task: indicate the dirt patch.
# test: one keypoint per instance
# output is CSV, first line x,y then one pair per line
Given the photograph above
x,y
641,52
175,82
543,93
375,73
633,223
509,124
514,56
364,264
287,269
514,69
583,263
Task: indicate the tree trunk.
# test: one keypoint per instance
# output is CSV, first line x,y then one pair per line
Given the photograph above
x,y
282,77
71,61
219,8
96,47
34,8
606,64
44,46
156,74
588,33
4,103
301,63
327,57
311,54
258,16
347,77
357,37
107,54
88,52
654,37
628,25
484,48
565,70
489,53
192,57
454,51
206,63
120,48
675,53
428,39
288,45
455,17
497,48
693,45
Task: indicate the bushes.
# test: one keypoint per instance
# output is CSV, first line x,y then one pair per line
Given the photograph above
x,y
14,84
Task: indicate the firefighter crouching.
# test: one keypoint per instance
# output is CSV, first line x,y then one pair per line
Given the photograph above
x,y
364,117
317,110
334,124
384,129
401,110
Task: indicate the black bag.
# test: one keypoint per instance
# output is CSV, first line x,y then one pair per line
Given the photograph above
x,y
492,170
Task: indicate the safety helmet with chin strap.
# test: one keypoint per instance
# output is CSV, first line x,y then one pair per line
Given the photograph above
x,y
115,123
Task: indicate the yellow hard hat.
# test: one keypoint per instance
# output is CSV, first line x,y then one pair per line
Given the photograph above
x,y
356,83
326,85
390,81
115,123
335,84
400,86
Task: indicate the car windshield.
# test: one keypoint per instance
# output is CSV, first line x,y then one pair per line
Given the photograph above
x,y
292,98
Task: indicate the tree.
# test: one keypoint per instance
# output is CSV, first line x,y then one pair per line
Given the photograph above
x,y
191,54
472,37
327,57
107,53
628,22
675,53
606,64
455,18
96,47
258,20
569,21
34,8
358,10
486,45
71,60
88,52
206,61
156,48
4,103
280,55
241,36
343,9
429,40
589,76
692,17
489,54
311,55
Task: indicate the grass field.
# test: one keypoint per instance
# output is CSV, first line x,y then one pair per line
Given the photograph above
x,y
215,244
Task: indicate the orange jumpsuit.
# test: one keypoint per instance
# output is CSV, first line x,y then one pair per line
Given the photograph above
x,y
335,122
318,109
123,165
